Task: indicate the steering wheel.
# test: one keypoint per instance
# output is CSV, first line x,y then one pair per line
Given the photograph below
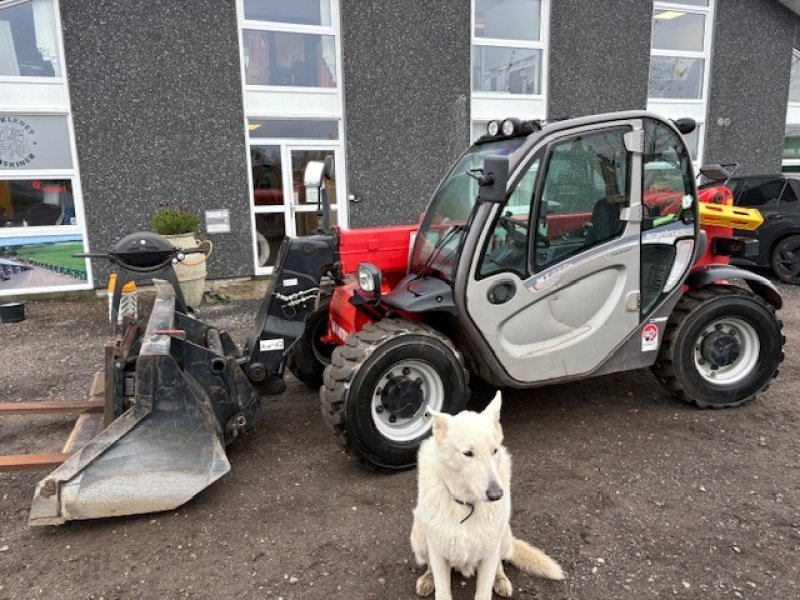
x,y
512,228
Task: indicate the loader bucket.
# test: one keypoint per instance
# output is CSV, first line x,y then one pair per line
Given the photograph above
x,y
164,448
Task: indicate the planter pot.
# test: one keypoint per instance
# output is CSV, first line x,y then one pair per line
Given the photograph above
x,y
191,273
12,312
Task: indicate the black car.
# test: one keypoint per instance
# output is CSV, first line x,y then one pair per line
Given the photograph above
x,y
776,196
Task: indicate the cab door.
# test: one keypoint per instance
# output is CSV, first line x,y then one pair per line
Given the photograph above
x,y
563,304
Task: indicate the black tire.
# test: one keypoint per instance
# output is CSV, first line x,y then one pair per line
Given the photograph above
x,y
310,356
785,260
358,369
690,328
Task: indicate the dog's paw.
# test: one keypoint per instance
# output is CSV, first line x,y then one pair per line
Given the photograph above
x,y
425,584
503,587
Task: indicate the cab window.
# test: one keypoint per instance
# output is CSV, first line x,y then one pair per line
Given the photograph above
x,y
586,185
668,187
667,194
506,249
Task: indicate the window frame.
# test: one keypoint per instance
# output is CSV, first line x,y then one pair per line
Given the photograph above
x,y
37,79
488,105
47,96
332,30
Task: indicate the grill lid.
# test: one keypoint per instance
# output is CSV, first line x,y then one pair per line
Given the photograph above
x,y
142,249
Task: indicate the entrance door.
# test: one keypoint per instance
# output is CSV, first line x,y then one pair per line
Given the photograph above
x,y
279,197
555,288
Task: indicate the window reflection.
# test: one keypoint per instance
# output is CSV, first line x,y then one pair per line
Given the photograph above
x,y
676,30
289,59
301,158
503,69
508,19
675,77
36,203
28,42
267,175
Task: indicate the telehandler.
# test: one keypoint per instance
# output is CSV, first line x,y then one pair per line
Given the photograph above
x,y
550,252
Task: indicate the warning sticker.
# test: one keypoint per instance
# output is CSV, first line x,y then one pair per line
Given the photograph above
x,y
649,337
267,345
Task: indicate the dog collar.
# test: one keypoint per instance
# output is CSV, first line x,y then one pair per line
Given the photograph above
x,y
462,503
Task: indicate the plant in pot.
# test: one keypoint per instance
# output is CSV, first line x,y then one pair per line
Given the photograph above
x,y
179,226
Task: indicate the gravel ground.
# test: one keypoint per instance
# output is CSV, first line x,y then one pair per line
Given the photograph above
x,y
637,495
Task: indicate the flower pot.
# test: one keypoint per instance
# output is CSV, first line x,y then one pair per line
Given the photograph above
x,y
12,312
191,272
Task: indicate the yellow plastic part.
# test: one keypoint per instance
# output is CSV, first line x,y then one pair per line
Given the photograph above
x,y
128,288
730,216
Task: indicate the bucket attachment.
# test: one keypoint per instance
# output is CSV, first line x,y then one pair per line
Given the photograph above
x,y
178,395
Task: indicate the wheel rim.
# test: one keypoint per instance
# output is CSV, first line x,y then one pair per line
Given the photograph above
x,y
787,260
419,386
726,351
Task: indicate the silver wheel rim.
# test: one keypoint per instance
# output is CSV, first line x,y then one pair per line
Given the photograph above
x,y
739,369
414,427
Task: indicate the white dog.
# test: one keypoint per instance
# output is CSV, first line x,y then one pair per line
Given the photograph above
x,y
463,508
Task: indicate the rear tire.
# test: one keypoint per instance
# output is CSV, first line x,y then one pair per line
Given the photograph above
x,y
725,325
379,385
785,260
309,355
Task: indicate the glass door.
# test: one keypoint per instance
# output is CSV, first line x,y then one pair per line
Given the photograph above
x,y
279,198
303,216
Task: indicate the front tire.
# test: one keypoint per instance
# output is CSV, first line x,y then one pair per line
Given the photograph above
x,y
722,346
379,385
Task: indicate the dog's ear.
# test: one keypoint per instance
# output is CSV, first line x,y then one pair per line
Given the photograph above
x,y
493,410
441,422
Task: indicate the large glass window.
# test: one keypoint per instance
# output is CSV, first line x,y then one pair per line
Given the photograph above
x,y
507,47
28,40
682,31
289,59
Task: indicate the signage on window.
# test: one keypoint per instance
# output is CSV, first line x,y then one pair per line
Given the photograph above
x,y
34,142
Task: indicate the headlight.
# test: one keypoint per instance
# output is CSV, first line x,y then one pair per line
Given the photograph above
x,y
369,278
509,127
493,128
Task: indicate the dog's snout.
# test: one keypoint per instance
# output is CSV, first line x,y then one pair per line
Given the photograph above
x,y
495,492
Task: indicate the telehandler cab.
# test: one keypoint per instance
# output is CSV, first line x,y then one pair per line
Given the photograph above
x,y
550,252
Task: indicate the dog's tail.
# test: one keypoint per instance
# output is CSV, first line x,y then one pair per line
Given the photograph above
x,y
532,560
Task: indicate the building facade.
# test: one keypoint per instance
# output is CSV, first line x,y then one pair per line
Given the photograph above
x,y
111,109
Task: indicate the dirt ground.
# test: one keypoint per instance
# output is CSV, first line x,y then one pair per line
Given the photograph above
x,y
637,495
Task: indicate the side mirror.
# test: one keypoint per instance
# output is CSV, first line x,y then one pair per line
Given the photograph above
x,y
685,125
312,179
493,180
715,172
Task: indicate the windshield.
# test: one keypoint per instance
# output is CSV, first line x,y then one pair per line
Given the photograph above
x,y
450,209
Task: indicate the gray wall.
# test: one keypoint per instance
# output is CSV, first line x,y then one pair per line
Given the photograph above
x,y
406,94
157,105
750,68
599,56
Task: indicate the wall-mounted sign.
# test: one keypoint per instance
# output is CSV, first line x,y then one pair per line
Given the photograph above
x,y
218,221
34,142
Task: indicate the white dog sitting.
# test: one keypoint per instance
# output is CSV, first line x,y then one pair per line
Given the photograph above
x,y
463,508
